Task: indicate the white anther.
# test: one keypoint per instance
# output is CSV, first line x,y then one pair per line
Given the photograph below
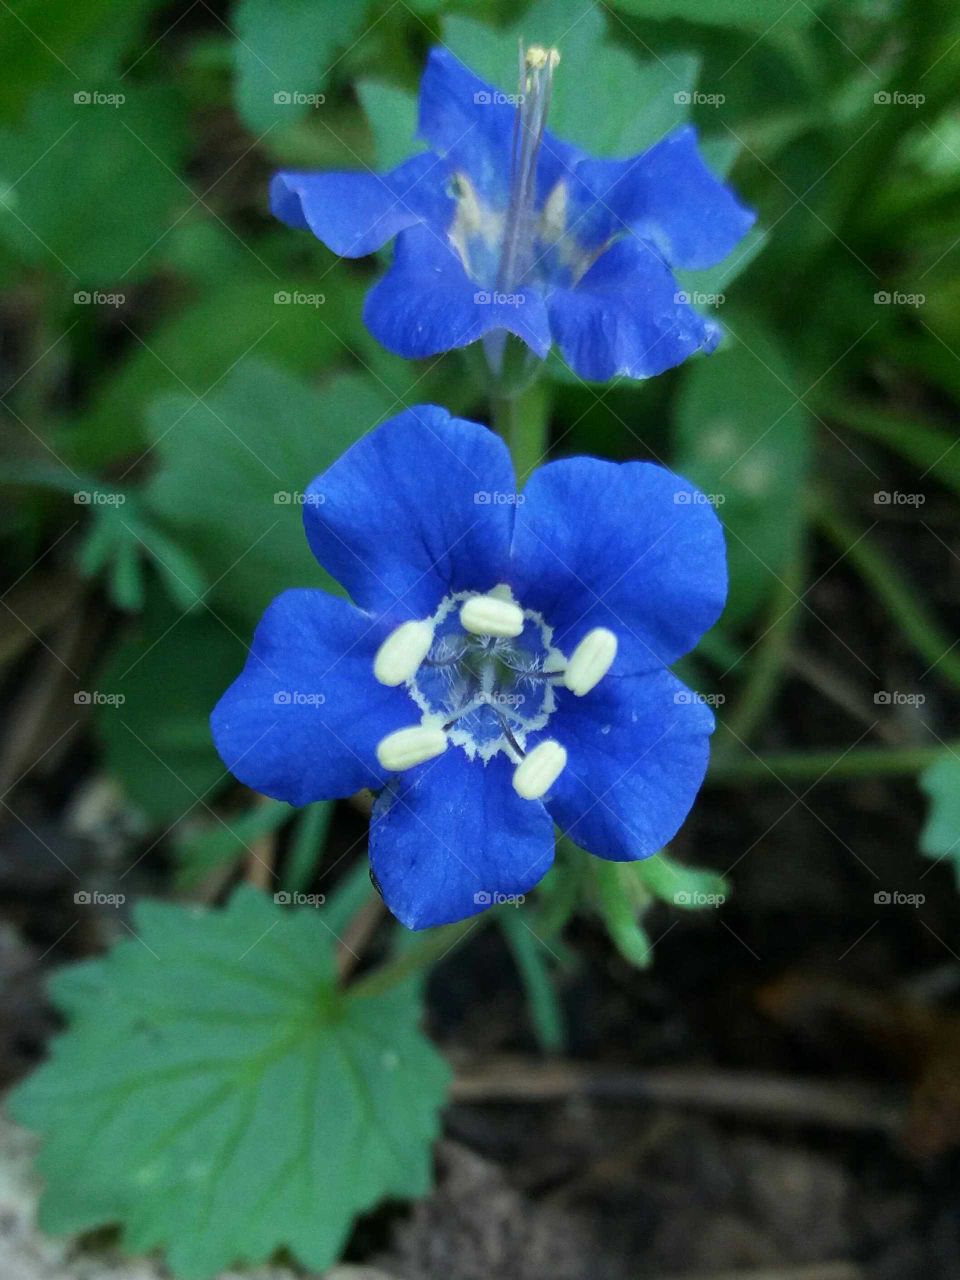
x,y
407,747
491,616
402,652
590,661
538,771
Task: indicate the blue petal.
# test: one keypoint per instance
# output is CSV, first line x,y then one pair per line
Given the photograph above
x,y
302,720
667,196
449,835
472,124
405,515
637,751
627,316
355,213
628,546
468,122
426,303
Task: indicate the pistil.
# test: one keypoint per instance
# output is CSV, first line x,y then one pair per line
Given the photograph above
x,y
537,66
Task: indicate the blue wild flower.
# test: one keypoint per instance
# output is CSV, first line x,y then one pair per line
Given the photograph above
x,y
502,666
502,228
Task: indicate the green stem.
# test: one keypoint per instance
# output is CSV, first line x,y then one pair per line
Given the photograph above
x,y
802,765
434,946
919,625
522,420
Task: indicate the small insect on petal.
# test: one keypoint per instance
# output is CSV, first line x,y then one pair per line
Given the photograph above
x,y
408,747
491,616
590,661
538,771
400,655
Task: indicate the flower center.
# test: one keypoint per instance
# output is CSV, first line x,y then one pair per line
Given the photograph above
x,y
484,673
487,683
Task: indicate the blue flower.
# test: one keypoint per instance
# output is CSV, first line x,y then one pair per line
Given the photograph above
x,y
502,666
502,228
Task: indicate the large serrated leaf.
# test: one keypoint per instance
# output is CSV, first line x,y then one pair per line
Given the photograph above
x,y
216,1095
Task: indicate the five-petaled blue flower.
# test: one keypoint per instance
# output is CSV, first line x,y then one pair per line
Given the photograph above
x,y
501,227
503,665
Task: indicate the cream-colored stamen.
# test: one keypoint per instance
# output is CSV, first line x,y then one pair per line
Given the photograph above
x,y
538,771
590,661
400,655
408,747
491,616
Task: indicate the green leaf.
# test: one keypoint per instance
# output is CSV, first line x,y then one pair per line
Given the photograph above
x,y
169,672
233,471
308,846
530,954
754,14
190,352
71,158
392,115
682,886
940,837
285,50
76,45
603,98
216,1095
743,437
